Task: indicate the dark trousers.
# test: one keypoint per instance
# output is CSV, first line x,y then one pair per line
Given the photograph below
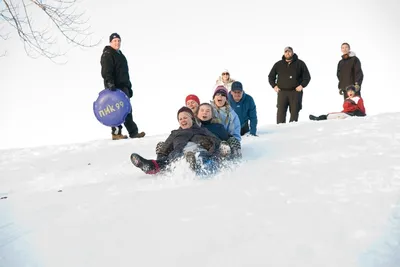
x,y
130,125
289,99
245,129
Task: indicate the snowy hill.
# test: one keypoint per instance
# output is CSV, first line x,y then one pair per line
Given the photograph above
x,y
307,194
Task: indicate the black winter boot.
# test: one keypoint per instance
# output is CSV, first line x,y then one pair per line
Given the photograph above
x,y
146,165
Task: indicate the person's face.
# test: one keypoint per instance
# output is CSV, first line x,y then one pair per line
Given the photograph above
x,y
351,93
225,76
237,95
115,43
185,120
205,113
345,49
192,105
288,54
219,100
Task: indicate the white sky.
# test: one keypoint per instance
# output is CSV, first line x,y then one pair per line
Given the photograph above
x,y
179,47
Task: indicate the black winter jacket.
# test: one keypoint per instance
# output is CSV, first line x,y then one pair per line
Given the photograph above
x,y
289,75
179,138
349,71
115,71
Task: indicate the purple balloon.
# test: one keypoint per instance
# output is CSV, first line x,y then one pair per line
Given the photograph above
x,y
112,107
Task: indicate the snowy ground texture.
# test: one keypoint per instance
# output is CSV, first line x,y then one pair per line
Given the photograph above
x,y
306,194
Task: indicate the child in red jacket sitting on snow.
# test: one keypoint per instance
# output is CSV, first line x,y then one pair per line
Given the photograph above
x,y
353,106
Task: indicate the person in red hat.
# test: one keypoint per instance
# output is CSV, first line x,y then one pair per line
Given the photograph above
x,y
192,102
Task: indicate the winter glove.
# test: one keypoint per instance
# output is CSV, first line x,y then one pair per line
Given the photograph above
x,y
357,87
111,87
127,91
207,144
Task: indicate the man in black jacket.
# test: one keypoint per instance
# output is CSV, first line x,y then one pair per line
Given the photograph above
x,y
115,72
349,71
289,77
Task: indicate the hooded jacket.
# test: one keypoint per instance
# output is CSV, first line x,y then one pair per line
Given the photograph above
x,y
349,71
289,75
246,111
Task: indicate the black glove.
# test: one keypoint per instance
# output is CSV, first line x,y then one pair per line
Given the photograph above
x,y
111,86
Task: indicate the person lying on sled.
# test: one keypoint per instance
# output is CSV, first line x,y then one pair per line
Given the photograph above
x,y
187,141
353,106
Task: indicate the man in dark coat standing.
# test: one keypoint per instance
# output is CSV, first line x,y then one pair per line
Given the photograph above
x,y
289,77
115,72
349,71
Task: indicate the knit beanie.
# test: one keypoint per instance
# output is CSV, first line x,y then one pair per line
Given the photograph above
x,y
114,35
187,110
192,97
221,90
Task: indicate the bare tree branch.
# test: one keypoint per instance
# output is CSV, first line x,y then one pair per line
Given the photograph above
x,y
54,20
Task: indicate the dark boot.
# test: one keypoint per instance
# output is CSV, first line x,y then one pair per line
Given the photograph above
x,y
191,159
146,165
138,135
319,118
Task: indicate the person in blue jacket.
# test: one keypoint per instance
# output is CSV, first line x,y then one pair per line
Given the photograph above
x,y
245,107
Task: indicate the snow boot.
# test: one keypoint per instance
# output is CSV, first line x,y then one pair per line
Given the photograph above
x,y
146,165
191,159
138,135
118,136
319,118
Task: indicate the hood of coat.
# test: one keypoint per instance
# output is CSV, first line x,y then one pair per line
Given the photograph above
x,y
294,58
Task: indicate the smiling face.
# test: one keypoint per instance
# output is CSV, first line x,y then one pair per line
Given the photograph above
x,y
185,120
193,105
115,43
205,113
220,100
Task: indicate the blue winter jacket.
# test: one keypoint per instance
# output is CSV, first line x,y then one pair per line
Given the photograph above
x,y
246,111
229,119
217,129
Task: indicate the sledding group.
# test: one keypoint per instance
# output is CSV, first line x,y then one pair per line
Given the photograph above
x,y
209,134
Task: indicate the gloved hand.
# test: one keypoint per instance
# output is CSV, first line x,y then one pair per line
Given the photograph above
x,y
111,87
207,144
341,92
357,86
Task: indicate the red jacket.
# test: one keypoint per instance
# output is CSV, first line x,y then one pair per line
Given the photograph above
x,y
353,104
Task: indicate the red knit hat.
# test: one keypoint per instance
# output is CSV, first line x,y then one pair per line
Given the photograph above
x,y
192,97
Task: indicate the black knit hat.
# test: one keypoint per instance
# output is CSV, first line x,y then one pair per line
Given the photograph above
x,y
114,35
187,110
